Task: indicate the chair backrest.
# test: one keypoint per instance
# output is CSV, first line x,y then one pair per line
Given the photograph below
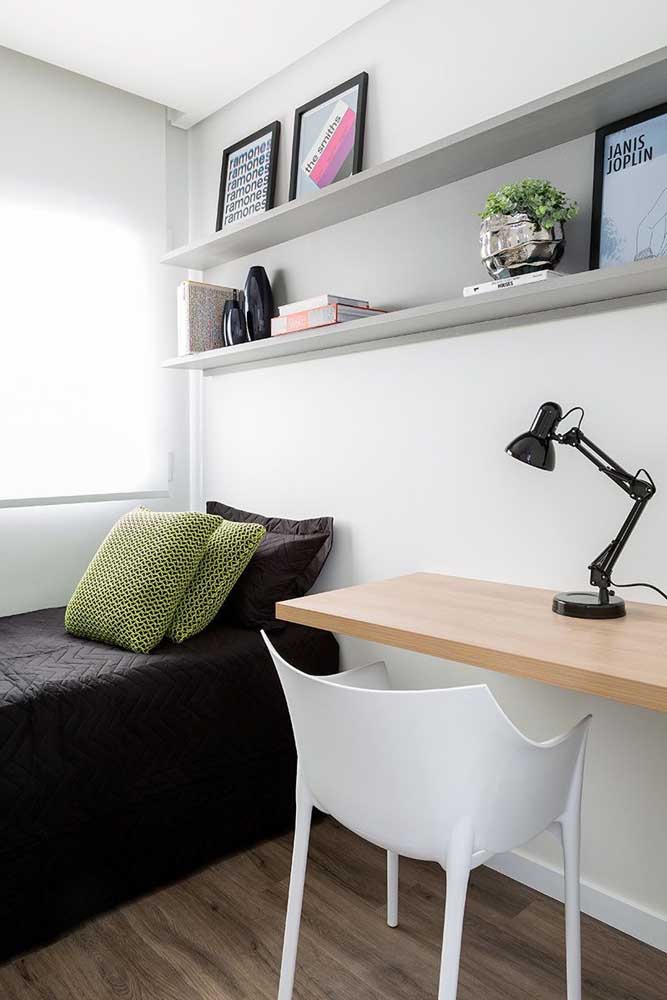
x,y
404,768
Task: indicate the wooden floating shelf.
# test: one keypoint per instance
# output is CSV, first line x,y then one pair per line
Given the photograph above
x,y
439,319
560,117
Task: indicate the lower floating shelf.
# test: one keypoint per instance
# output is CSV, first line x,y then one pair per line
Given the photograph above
x,y
440,318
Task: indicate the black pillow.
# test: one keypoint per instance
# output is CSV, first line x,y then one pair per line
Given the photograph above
x,y
286,565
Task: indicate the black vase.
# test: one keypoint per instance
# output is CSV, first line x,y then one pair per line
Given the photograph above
x,y
258,304
234,330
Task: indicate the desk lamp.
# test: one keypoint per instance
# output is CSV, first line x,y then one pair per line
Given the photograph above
x,y
536,447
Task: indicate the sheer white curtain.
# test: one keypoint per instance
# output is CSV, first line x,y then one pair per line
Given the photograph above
x,y
82,296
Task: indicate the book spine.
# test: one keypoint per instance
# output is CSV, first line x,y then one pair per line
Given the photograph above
x,y
307,319
494,286
182,316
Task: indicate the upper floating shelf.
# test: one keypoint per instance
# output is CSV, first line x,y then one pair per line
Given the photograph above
x,y
440,319
560,117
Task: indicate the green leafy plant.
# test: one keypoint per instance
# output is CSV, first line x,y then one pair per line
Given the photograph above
x,y
544,204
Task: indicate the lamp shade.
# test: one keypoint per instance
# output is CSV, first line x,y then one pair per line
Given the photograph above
x,y
536,447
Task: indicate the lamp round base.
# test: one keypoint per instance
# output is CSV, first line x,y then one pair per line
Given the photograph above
x,y
586,604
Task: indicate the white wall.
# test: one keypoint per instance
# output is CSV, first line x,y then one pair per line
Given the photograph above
x,y
404,446
70,144
434,68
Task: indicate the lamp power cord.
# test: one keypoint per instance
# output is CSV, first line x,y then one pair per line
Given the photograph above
x,y
651,586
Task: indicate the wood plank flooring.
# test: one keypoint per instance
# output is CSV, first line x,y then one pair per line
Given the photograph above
x,y
218,936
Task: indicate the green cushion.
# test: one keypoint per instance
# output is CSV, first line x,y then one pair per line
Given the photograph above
x,y
228,552
129,593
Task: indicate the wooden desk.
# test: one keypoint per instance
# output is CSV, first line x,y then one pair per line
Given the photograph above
x,y
501,627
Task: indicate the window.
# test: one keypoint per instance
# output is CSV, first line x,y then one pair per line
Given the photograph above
x,y
85,307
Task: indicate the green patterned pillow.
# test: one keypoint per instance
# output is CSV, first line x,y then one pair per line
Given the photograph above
x,y
129,593
228,551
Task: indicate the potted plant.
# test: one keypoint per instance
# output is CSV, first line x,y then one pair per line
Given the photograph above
x,y
523,228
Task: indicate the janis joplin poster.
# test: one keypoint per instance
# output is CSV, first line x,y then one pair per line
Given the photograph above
x,y
630,190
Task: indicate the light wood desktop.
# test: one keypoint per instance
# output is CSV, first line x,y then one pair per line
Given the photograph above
x,y
501,627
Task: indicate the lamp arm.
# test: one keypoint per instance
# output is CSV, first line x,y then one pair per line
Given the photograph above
x,y
641,491
602,566
632,485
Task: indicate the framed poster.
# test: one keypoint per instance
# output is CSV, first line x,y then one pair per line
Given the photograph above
x,y
248,176
630,190
328,139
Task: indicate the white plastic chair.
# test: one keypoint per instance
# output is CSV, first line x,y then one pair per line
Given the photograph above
x,y
438,775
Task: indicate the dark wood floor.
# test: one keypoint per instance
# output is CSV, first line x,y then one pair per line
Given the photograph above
x,y
217,936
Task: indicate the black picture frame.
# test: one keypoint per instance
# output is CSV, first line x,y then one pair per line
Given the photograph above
x,y
360,81
601,136
272,130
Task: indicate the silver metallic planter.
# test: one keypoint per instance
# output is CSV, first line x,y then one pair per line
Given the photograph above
x,y
513,245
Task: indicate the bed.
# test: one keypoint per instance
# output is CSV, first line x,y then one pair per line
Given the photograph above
x,y
122,771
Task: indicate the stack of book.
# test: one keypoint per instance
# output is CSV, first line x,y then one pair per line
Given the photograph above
x,y
322,310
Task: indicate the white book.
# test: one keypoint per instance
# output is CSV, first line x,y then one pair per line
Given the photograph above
x,y
522,279
321,300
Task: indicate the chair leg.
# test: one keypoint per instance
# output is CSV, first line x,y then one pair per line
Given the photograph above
x,y
459,854
304,811
570,831
392,889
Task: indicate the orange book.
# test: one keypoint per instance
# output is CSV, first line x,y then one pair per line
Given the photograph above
x,y
311,319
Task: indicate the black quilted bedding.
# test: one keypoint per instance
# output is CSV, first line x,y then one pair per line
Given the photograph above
x,y
120,771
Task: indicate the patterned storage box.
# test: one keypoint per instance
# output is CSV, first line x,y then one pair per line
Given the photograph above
x,y
200,315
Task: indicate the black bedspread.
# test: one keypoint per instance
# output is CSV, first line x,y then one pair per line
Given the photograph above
x,y
120,771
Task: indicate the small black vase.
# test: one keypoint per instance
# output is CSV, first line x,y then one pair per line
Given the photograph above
x,y
258,304
234,329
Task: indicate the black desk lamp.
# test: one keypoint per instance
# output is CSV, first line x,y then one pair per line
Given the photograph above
x,y
536,447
